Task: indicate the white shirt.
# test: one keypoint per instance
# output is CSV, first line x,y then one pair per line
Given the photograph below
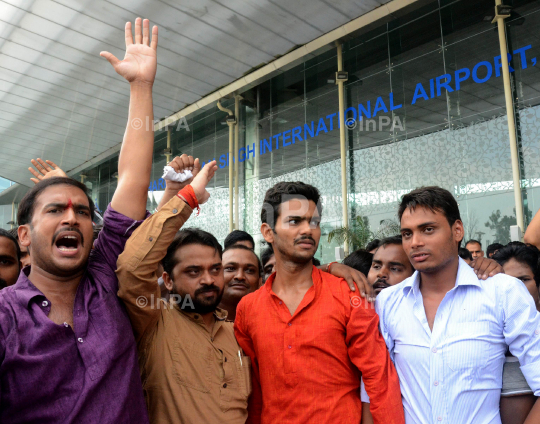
x,y
454,374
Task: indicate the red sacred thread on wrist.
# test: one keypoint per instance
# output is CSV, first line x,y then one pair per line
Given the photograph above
x,y
329,265
189,195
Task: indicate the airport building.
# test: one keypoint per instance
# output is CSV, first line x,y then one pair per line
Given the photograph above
x,y
365,101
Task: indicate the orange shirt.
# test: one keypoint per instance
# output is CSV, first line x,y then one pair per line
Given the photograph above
x,y
306,367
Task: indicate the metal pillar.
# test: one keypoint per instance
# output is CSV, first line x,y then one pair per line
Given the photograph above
x,y
343,150
510,116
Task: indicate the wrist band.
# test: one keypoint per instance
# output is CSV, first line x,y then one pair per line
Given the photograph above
x,y
188,195
329,265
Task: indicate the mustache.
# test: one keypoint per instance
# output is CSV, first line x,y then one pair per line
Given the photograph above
x,y
235,281
205,289
63,230
378,280
298,240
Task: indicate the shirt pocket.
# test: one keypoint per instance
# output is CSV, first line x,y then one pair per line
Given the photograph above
x,y
244,373
467,347
192,365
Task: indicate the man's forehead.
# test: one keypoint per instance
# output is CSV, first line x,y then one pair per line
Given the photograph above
x,y
62,193
390,253
240,256
7,247
421,213
197,255
298,207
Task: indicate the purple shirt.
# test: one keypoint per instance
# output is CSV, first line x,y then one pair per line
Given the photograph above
x,y
52,373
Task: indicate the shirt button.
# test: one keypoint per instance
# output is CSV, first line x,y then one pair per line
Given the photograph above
x,y
175,211
434,350
290,323
290,347
537,332
44,303
280,302
66,324
151,239
436,383
80,340
439,418
225,385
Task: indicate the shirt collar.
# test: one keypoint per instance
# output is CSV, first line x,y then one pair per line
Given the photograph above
x,y
315,275
465,277
24,288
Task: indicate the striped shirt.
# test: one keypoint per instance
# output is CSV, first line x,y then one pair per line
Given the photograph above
x,y
453,374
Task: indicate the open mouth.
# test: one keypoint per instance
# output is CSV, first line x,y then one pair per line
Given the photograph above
x,y
68,244
378,286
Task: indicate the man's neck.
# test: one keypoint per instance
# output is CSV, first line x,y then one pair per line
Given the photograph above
x,y
52,285
291,275
230,307
440,281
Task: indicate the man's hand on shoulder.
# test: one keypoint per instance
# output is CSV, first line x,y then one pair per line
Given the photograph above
x,y
352,277
485,267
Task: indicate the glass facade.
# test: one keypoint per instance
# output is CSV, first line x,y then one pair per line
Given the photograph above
x,y
424,105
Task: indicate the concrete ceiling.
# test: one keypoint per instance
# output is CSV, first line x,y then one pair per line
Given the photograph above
x,y
60,100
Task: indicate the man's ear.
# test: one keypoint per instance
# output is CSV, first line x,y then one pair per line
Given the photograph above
x,y
23,233
167,281
267,232
458,231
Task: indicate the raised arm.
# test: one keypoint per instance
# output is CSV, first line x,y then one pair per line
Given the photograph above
x,y
179,164
532,235
137,265
45,169
135,163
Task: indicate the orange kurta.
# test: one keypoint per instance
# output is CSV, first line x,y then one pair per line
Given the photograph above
x,y
306,367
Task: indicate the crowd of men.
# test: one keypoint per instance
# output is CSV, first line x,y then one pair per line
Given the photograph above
x,y
143,321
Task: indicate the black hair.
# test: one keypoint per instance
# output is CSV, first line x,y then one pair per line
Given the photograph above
x,y
391,240
26,206
373,244
9,235
237,236
283,192
474,241
492,248
267,253
360,260
527,255
184,238
315,261
465,254
434,198
242,247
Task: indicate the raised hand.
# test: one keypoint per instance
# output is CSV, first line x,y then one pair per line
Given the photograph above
x,y
180,164
140,62
47,169
202,179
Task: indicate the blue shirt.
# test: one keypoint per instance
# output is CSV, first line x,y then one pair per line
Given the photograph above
x,y
453,374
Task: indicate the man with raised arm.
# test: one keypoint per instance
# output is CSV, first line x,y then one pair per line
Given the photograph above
x,y
192,369
67,351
